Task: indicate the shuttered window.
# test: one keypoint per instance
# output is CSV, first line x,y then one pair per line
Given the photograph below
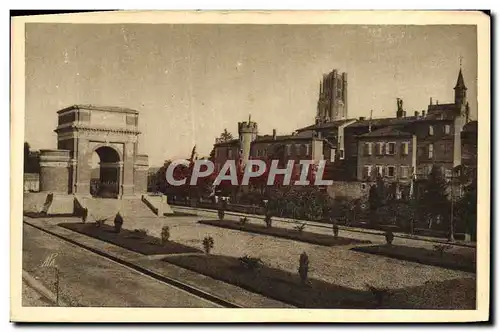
x,y
405,148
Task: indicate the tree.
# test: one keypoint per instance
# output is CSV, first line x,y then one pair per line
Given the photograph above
x,y
26,156
225,136
434,202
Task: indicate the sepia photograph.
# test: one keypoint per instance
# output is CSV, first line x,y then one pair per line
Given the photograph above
x,y
192,165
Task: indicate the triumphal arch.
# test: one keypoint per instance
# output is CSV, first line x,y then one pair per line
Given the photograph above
x,y
111,134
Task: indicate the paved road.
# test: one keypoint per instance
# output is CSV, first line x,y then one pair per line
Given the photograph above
x,y
87,279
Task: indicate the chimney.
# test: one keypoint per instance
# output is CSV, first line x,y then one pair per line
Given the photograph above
x,y
404,114
437,102
361,118
423,113
274,134
416,113
430,102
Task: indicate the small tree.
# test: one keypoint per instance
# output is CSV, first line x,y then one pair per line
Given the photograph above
x,y
165,234
208,244
118,222
303,267
335,229
389,237
434,200
300,228
268,220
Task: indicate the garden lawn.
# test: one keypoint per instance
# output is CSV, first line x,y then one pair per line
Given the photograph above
x,y
464,261
287,287
131,240
314,238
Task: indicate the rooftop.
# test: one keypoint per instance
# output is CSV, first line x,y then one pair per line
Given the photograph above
x,y
99,108
390,131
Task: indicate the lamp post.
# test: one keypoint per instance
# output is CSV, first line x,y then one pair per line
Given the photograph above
x,y
451,236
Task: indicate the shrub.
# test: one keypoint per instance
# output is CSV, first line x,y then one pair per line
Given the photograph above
x,y
165,234
250,263
221,214
118,222
335,229
141,232
268,220
85,215
441,248
300,228
379,294
208,244
389,237
303,267
243,220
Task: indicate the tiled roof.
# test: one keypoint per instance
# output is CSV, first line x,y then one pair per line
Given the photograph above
x,y
332,124
298,136
389,131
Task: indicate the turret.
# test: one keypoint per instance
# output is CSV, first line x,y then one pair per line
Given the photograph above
x,y
460,90
248,133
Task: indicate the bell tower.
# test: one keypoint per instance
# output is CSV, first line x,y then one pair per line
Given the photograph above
x,y
460,89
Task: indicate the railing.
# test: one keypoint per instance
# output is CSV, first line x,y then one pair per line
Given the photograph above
x,y
104,188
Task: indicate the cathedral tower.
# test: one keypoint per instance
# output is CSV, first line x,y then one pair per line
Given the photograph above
x,y
332,101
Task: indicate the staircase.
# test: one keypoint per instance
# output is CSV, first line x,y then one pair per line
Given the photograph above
x,y
108,207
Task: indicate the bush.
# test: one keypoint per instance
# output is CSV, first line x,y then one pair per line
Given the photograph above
x,y
303,267
300,228
208,244
221,214
268,220
141,232
165,234
335,229
389,237
250,263
118,222
243,220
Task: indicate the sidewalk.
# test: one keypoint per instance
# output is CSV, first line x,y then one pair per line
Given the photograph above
x,y
179,277
323,226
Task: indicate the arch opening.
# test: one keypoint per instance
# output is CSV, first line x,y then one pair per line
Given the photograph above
x,y
105,173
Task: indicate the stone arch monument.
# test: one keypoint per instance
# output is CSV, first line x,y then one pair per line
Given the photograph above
x,y
112,133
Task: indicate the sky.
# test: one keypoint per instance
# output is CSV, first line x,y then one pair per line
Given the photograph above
x,y
189,82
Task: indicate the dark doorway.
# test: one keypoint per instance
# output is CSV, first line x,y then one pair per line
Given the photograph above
x,y
105,178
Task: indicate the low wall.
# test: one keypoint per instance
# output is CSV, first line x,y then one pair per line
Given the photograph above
x,y
349,190
31,182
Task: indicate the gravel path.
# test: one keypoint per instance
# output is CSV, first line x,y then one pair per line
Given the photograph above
x,y
337,265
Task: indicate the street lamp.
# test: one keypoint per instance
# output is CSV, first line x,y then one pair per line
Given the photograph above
x,y
454,174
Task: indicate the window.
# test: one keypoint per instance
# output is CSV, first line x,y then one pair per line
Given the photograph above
x,y
229,153
405,172
431,130
368,148
447,129
380,170
380,148
332,155
405,148
391,148
341,153
363,186
367,171
307,149
288,149
431,151
391,171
